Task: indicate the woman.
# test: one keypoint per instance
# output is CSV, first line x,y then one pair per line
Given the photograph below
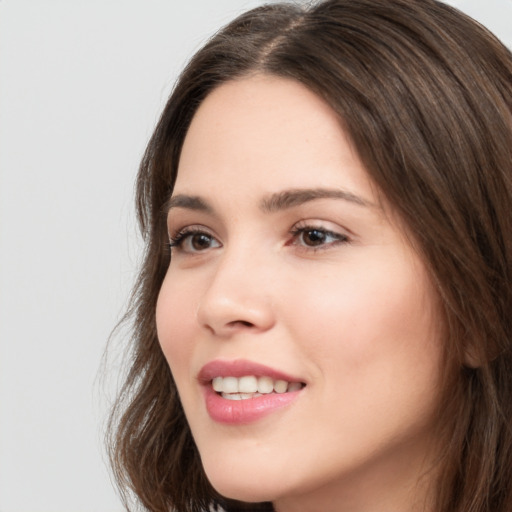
x,y
322,322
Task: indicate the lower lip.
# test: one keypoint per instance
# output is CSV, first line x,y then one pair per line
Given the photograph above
x,y
239,412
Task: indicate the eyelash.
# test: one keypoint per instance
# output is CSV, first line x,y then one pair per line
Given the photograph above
x,y
177,240
338,238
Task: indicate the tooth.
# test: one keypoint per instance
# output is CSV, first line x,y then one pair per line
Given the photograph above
x,y
230,385
248,384
217,384
280,386
265,385
232,396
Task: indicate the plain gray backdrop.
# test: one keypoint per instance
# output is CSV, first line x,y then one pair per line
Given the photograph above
x,y
81,87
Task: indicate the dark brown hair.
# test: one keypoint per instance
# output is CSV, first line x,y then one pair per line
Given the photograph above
x,y
425,94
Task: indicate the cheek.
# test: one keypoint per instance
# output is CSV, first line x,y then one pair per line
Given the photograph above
x,y
376,349
175,314
376,321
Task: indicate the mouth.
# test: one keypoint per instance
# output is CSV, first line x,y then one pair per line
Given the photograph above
x,y
250,386
241,392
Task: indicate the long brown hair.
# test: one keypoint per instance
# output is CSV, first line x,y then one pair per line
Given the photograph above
x,y
425,94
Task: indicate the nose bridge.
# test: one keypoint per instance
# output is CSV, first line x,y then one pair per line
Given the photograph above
x,y
238,295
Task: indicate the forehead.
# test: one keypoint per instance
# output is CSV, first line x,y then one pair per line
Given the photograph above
x,y
267,133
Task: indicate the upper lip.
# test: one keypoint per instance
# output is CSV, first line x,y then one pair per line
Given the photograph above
x,y
240,368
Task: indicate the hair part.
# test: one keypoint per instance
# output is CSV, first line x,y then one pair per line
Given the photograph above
x,y
425,94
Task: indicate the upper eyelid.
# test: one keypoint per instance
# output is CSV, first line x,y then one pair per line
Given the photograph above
x,y
312,227
301,224
321,225
190,229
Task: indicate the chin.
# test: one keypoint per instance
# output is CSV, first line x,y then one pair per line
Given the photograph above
x,y
246,492
242,487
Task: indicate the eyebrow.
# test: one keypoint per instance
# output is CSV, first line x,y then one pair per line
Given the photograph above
x,y
295,197
273,203
188,202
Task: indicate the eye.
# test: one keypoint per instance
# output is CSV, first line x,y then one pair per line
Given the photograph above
x,y
193,240
316,237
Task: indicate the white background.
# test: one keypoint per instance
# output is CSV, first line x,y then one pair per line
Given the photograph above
x,y
81,87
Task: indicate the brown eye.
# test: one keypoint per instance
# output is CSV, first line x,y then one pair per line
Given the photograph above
x,y
313,237
194,241
200,241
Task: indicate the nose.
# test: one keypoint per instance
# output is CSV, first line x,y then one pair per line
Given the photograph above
x,y
238,296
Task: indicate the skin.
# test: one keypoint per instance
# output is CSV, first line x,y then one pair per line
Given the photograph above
x,y
354,316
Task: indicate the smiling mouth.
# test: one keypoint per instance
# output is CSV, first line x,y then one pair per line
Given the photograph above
x,y
250,386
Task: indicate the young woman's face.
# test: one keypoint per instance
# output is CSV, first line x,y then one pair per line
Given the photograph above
x,y
300,326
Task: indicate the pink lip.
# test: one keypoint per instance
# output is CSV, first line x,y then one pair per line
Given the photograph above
x,y
238,412
239,368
